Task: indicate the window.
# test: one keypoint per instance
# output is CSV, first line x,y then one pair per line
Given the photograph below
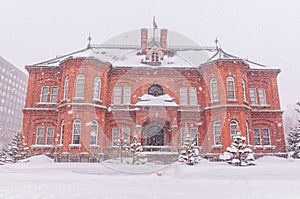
x,y
230,88
54,94
193,96
266,136
115,136
94,133
44,94
257,136
194,135
66,88
183,132
79,92
126,136
155,90
127,95
117,95
76,131
50,134
40,135
214,95
154,57
97,86
217,133
233,128
247,132
253,98
244,90
62,132
183,95
262,96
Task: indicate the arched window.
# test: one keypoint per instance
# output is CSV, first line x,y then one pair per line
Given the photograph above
x,y
79,92
244,90
214,95
233,128
230,88
155,90
217,133
62,132
154,57
76,131
247,132
97,87
94,133
66,88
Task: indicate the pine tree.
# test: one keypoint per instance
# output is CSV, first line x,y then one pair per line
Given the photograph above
x,y
189,152
238,153
136,149
293,139
14,151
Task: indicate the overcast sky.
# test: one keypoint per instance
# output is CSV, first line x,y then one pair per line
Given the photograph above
x,y
264,31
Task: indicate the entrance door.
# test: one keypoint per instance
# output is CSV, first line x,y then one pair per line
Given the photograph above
x,y
155,136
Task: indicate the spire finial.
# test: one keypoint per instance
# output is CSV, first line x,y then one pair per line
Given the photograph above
x,y
89,39
154,23
217,43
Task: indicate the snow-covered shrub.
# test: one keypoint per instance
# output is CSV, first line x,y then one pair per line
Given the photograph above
x,y
136,149
238,153
189,152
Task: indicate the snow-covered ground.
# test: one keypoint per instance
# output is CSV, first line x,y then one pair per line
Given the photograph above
x,y
41,178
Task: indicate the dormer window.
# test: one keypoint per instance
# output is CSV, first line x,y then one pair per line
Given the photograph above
x,y
154,56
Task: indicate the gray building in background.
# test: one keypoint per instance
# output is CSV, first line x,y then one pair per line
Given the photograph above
x,y
13,85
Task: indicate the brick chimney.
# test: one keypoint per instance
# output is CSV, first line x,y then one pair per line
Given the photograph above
x,y
144,35
163,39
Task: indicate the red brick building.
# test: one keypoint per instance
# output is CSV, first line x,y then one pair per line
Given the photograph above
x,y
156,84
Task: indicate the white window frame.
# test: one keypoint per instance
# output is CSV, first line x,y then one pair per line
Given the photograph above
x,y
230,88
66,88
214,94
183,96
194,135
193,96
262,96
266,136
76,132
217,133
79,89
97,88
117,95
50,135
44,94
127,95
126,135
54,94
256,136
94,133
183,134
62,132
253,96
244,90
115,137
247,132
233,128
40,135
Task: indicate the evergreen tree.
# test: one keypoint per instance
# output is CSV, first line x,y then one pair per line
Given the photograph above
x,y
136,149
238,153
293,139
189,152
15,150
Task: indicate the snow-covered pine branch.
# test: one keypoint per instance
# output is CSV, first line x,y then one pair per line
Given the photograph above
x,y
238,153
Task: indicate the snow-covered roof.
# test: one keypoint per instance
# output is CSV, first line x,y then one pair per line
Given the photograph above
x,y
161,100
124,50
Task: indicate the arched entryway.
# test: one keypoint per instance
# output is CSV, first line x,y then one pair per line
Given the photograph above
x,y
154,135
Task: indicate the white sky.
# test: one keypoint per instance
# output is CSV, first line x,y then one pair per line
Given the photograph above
x,y
264,31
